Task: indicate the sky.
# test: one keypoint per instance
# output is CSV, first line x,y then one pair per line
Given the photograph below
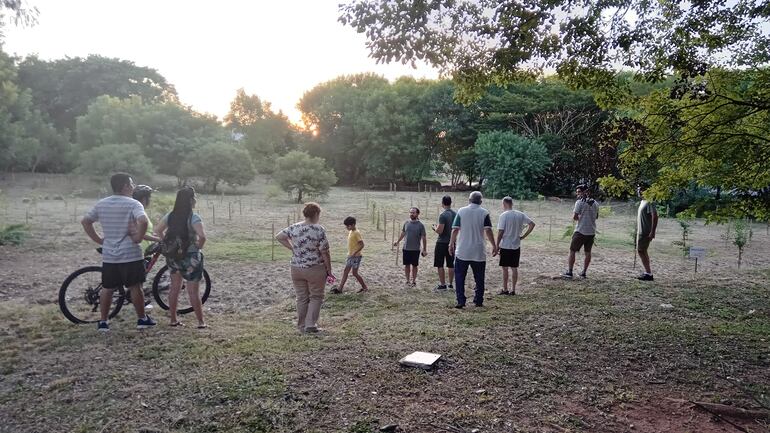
x,y
275,49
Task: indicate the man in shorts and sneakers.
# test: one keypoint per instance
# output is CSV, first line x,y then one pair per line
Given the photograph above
x,y
414,232
509,239
124,224
441,253
586,212
646,224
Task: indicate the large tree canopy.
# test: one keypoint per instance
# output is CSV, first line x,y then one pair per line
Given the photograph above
x,y
483,42
64,88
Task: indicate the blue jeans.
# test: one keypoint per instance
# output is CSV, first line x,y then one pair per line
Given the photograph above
x,y
461,270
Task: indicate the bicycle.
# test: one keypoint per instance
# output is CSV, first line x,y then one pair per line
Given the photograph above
x,y
79,293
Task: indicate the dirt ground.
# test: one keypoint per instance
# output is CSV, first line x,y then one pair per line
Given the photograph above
x,y
599,355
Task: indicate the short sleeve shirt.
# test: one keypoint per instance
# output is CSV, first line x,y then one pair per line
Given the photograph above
x,y
472,220
446,218
512,222
309,240
354,237
644,218
414,230
114,214
587,213
193,236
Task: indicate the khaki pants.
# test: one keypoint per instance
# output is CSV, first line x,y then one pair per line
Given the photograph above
x,y
309,284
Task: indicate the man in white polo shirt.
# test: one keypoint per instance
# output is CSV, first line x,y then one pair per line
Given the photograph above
x,y
124,224
585,212
470,226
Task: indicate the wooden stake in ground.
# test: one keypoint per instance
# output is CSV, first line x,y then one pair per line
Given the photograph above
x,y
272,242
213,214
229,211
288,219
550,224
384,226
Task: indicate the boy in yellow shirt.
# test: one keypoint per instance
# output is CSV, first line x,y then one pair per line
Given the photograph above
x,y
355,246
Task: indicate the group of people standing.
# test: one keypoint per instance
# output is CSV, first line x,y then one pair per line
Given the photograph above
x,y
125,227
460,246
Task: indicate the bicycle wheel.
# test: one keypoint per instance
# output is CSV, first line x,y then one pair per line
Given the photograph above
x,y
79,296
162,283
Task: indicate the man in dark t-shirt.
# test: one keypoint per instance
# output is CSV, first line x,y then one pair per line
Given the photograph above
x,y
441,253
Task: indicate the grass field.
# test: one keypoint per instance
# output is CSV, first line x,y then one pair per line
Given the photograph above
x,y
608,354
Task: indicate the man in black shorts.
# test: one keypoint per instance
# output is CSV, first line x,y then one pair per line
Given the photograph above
x,y
441,253
585,212
414,232
124,224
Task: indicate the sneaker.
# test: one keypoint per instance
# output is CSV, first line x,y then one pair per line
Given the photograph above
x,y
148,307
567,275
147,322
451,287
478,305
503,293
460,306
336,291
440,287
645,277
312,329
413,284
103,327
583,275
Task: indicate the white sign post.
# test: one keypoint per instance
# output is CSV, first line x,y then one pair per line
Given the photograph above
x,y
697,253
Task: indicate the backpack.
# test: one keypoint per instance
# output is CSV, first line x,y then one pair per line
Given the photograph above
x,y
174,245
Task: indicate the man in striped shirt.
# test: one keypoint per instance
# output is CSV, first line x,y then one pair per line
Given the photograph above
x,y
124,224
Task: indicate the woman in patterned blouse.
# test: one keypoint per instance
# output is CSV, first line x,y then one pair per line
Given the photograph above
x,y
310,265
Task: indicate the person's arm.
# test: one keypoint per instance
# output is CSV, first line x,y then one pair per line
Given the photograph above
x,y
654,223
499,239
199,230
400,238
576,212
453,240
530,227
424,244
360,248
88,226
138,228
438,228
160,229
284,240
326,257
490,234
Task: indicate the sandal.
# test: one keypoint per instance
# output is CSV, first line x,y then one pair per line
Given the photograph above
x,y
363,290
336,291
203,326
176,324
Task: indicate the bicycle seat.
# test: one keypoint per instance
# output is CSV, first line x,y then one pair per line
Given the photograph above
x,y
99,250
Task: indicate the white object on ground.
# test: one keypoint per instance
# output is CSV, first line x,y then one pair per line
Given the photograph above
x,y
420,360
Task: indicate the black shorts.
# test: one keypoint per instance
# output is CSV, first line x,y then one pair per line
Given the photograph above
x,y
115,275
441,256
411,258
581,240
510,258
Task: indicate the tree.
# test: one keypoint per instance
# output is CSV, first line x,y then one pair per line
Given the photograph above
x,y
112,158
27,141
64,88
710,131
166,132
264,133
510,164
298,172
484,42
219,162
16,13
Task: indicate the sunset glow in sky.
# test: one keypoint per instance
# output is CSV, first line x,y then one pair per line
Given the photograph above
x,y
275,49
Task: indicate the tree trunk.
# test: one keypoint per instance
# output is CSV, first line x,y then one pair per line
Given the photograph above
x,y
299,196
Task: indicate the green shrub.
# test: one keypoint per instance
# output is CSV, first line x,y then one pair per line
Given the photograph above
x,y
13,234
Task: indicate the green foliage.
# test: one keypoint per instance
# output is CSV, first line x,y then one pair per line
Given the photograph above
x,y
111,158
741,237
265,134
473,41
219,162
166,132
606,211
64,88
27,140
13,234
297,172
685,224
511,164
569,230
273,192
